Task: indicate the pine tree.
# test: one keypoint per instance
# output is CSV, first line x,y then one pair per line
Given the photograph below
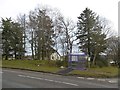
x,y
12,40
17,41
91,39
6,26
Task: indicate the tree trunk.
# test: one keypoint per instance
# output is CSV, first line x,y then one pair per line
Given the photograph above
x,y
6,57
15,55
32,48
70,47
35,47
94,59
24,33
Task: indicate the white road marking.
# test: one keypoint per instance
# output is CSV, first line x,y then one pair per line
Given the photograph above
x,y
69,83
113,81
101,80
48,80
30,77
10,71
21,76
81,77
29,71
90,78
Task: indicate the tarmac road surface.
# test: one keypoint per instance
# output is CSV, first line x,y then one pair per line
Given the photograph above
x,y
13,78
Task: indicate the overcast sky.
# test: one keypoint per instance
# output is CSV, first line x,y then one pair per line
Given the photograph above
x,y
69,8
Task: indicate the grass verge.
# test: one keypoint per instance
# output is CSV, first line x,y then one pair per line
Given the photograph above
x,y
46,66
104,72
36,65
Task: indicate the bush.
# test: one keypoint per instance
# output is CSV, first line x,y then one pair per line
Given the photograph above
x,y
102,63
65,63
59,63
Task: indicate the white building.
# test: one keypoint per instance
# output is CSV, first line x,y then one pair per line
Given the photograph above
x,y
55,56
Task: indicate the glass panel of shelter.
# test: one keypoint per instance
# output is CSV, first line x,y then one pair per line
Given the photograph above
x,y
77,61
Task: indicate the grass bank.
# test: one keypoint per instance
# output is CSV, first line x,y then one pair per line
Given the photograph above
x,y
37,65
50,66
104,72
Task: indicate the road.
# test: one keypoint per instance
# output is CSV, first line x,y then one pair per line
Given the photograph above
x,y
13,78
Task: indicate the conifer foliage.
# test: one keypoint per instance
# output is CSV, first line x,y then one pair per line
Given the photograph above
x,y
91,39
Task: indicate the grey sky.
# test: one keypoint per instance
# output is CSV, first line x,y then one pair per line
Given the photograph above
x,y
69,8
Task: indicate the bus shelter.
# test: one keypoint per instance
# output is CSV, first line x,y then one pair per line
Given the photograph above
x,y
77,61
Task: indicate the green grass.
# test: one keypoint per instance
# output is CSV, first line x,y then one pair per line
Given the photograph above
x,y
105,72
50,66
31,65
0,63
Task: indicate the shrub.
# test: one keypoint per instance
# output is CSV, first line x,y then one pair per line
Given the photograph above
x,y
65,63
59,63
102,63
